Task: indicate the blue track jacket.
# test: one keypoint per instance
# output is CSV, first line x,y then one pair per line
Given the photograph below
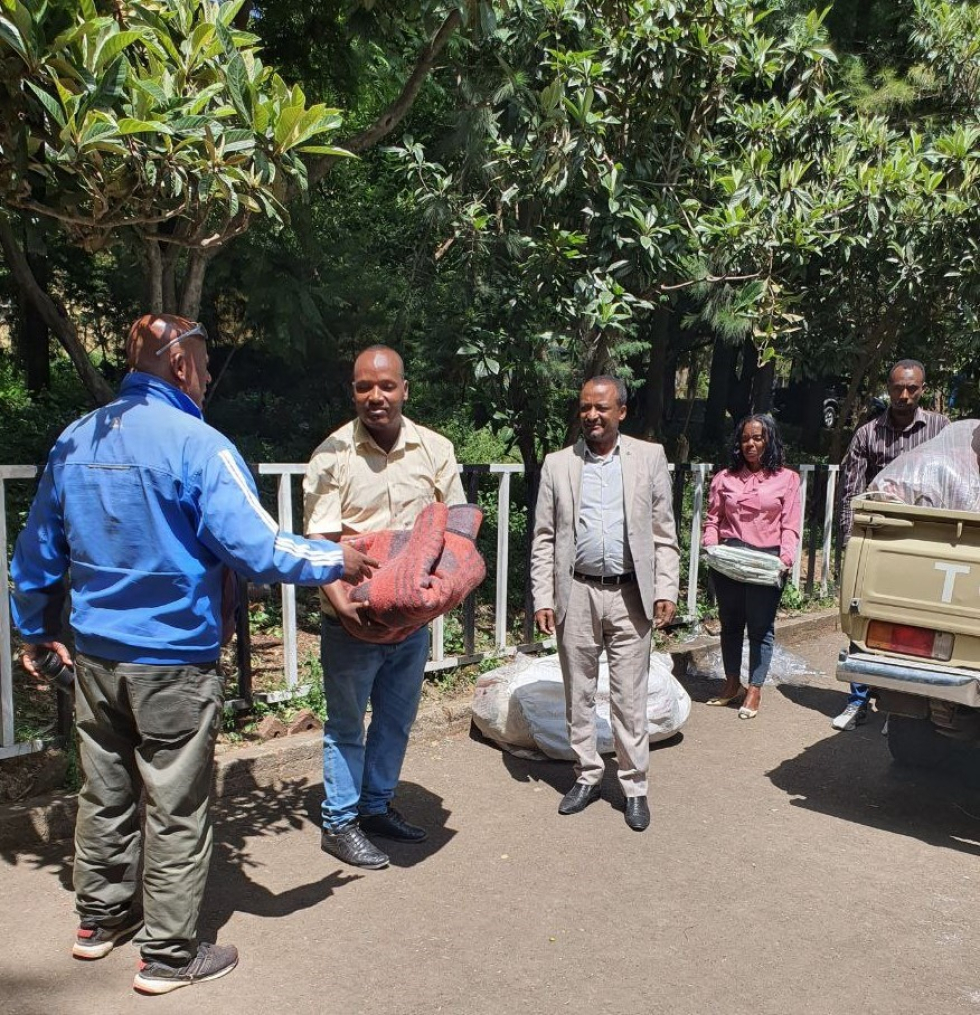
x,y
141,504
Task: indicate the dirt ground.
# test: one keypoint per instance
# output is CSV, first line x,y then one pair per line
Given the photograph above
x,y
788,869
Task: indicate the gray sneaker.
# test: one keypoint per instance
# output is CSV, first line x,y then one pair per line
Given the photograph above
x,y
853,715
210,963
94,940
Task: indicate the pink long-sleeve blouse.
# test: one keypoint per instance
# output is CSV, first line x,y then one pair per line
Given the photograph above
x,y
759,508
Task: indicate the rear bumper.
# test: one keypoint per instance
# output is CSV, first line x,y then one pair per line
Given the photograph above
x,y
955,685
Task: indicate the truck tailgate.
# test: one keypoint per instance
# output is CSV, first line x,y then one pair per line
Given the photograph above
x,y
918,567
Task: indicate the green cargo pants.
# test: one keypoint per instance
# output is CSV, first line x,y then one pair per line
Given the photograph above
x,y
152,729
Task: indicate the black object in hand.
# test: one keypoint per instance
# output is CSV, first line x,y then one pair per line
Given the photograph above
x,y
51,666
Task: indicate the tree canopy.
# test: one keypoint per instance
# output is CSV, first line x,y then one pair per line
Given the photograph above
x,y
542,190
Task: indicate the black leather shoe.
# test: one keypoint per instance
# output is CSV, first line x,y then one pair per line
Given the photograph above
x,y
352,846
637,813
579,797
391,825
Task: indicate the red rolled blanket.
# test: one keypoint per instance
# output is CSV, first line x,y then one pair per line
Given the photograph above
x,y
424,573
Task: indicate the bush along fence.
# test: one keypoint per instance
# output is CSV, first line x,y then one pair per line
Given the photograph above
x,y
494,621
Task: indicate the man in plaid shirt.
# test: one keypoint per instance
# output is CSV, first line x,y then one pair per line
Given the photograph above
x,y
901,427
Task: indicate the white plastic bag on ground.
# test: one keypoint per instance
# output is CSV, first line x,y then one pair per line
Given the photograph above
x,y
786,668
521,706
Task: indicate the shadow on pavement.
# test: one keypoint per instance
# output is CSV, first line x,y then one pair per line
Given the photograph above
x,y
250,812
264,811
851,776
701,688
827,701
560,774
421,807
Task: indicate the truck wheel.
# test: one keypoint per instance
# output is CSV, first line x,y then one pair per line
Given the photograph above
x,y
916,742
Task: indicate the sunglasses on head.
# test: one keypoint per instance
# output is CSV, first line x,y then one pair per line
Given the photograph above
x,y
197,331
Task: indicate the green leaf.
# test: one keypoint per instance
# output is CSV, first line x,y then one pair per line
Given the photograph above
x,y
154,91
239,87
285,127
128,125
226,40
261,115
323,149
10,35
51,104
183,124
113,46
111,86
203,98
227,11
97,130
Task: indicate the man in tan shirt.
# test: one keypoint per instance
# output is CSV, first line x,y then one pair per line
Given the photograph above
x,y
377,472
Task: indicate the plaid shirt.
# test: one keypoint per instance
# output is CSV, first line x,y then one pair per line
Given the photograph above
x,y
877,444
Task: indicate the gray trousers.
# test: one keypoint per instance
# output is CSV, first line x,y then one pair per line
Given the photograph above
x,y
610,618
148,729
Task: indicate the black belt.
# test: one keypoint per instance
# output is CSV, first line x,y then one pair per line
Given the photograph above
x,y
610,579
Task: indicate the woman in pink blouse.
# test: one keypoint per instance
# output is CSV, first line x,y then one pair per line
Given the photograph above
x,y
755,503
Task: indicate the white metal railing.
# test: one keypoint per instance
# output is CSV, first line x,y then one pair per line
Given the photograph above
x,y
8,745
285,474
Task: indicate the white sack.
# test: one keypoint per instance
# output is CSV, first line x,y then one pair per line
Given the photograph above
x,y
521,706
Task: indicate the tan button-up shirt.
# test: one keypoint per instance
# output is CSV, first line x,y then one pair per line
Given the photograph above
x,y
352,486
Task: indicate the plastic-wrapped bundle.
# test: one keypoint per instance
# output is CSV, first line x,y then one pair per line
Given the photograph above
x,y
786,668
745,564
521,706
942,473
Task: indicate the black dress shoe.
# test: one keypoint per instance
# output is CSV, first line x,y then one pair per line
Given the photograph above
x,y
579,797
391,825
352,846
637,813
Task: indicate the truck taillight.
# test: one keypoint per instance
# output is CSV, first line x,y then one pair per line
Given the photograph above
x,y
912,641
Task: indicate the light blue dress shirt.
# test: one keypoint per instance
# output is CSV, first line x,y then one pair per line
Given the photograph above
x,y
601,546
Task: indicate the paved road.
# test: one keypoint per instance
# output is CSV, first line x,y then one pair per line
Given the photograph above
x,y
788,869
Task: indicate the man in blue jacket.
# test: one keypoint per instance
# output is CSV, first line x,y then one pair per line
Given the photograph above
x,y
142,506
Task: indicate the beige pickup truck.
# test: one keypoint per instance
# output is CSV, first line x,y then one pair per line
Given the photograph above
x,y
910,604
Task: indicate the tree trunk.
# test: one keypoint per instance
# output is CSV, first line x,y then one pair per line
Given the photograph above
x,y
741,393
532,475
762,387
33,337
153,261
653,402
197,267
54,316
813,392
719,382
876,343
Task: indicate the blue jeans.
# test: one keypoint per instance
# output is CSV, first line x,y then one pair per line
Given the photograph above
x,y
741,607
860,695
360,773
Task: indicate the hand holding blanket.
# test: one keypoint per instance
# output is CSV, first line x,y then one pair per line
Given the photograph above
x,y
424,572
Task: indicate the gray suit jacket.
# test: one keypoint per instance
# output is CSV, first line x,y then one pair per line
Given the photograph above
x,y
649,525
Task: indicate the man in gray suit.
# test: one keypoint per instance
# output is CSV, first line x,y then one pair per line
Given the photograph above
x,y
604,573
